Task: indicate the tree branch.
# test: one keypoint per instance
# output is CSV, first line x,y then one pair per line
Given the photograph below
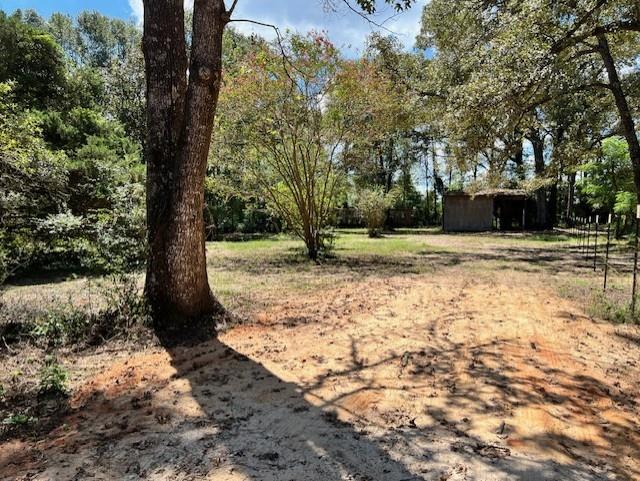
x,y
233,7
368,19
285,57
570,40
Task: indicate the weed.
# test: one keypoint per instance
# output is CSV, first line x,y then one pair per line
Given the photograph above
x,y
19,419
60,325
53,378
120,306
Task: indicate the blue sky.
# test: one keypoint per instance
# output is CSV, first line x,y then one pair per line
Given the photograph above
x,y
344,27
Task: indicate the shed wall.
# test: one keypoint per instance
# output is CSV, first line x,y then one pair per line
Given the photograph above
x,y
467,214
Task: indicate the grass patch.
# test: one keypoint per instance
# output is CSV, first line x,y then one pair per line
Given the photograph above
x,y
613,305
347,241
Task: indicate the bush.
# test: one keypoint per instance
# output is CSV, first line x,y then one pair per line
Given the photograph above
x,y
373,205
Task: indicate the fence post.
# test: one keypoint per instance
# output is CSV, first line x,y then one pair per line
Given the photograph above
x,y
635,264
606,256
586,247
595,244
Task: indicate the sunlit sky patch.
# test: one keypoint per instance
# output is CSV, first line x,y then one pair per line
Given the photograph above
x,y
344,27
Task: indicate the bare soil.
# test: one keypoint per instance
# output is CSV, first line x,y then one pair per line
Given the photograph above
x,y
463,372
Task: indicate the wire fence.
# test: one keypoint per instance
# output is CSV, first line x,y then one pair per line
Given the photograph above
x,y
597,243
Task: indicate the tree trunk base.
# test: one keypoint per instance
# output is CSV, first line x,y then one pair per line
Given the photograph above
x,y
175,329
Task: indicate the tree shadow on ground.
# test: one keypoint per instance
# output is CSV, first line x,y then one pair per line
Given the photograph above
x,y
222,415
495,382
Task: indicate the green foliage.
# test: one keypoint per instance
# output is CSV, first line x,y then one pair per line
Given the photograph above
x,y
32,181
71,183
60,325
612,305
625,203
275,134
31,59
369,6
609,181
19,420
373,205
70,130
506,71
54,378
373,97
125,309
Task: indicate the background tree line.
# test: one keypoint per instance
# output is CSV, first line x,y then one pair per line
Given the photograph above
x,y
496,94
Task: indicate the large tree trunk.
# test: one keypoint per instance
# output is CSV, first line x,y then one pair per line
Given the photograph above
x,y
626,118
180,115
541,194
427,204
518,160
552,216
571,189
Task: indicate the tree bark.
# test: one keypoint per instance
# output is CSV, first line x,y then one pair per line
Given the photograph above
x,y
537,143
626,118
426,188
518,160
570,198
552,217
180,113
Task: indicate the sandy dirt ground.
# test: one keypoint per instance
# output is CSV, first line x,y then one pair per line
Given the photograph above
x,y
455,375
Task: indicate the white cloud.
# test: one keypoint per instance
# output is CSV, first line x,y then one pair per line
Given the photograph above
x,y
345,28
137,10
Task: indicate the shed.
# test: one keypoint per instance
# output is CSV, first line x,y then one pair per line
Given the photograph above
x,y
496,209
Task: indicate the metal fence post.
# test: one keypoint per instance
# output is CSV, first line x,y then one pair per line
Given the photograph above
x,y
586,247
606,255
635,264
595,244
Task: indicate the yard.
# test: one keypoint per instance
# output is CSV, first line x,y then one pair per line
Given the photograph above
x,y
419,355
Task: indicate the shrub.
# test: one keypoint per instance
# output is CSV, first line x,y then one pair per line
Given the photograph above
x,y
125,309
373,205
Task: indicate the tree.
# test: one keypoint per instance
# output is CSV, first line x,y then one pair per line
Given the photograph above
x,y
31,59
609,178
105,65
521,68
373,94
279,123
32,181
180,113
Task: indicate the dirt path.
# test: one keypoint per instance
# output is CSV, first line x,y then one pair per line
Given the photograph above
x,y
449,377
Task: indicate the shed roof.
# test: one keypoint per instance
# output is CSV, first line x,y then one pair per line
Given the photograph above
x,y
513,193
